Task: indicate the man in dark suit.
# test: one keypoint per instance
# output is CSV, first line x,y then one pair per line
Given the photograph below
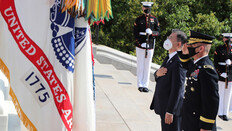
x,y
170,78
201,97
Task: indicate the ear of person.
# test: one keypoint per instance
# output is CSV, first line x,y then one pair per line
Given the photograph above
x,y
202,48
179,44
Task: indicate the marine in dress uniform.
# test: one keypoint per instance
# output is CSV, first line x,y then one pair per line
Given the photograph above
x,y
146,27
222,63
201,97
170,78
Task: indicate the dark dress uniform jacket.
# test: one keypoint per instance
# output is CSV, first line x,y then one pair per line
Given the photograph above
x,y
201,98
169,91
220,56
140,25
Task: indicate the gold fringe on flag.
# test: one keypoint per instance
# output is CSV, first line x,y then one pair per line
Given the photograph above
x,y
27,123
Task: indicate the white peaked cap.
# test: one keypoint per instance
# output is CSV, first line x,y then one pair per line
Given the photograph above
x,y
147,4
227,35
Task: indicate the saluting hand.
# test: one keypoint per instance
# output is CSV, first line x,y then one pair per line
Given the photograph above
x,y
185,49
161,72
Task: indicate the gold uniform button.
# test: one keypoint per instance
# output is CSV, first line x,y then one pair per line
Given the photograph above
x,y
192,89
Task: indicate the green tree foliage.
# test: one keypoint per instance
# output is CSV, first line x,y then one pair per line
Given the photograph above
x,y
212,17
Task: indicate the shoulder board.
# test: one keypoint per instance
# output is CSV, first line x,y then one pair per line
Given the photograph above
x,y
208,66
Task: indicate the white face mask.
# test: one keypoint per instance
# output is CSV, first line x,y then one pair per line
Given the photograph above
x,y
167,44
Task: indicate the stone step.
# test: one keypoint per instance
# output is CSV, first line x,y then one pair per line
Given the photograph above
x,y
106,67
141,100
106,114
99,66
125,106
120,93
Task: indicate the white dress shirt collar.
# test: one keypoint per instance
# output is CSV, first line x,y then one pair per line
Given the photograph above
x,y
171,55
199,59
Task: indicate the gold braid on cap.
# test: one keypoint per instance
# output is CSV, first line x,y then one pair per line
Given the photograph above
x,y
196,40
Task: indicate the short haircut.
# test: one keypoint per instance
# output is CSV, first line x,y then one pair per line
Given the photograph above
x,y
181,36
207,47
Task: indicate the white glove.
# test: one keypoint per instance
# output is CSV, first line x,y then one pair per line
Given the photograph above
x,y
144,45
224,75
228,62
148,31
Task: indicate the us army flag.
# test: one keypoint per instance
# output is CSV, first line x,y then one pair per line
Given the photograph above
x,y
38,52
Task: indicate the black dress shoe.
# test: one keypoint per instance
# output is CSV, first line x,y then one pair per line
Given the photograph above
x,y
145,89
140,89
225,118
221,116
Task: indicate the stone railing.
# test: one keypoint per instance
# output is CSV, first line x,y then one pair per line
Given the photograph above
x,y
118,59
